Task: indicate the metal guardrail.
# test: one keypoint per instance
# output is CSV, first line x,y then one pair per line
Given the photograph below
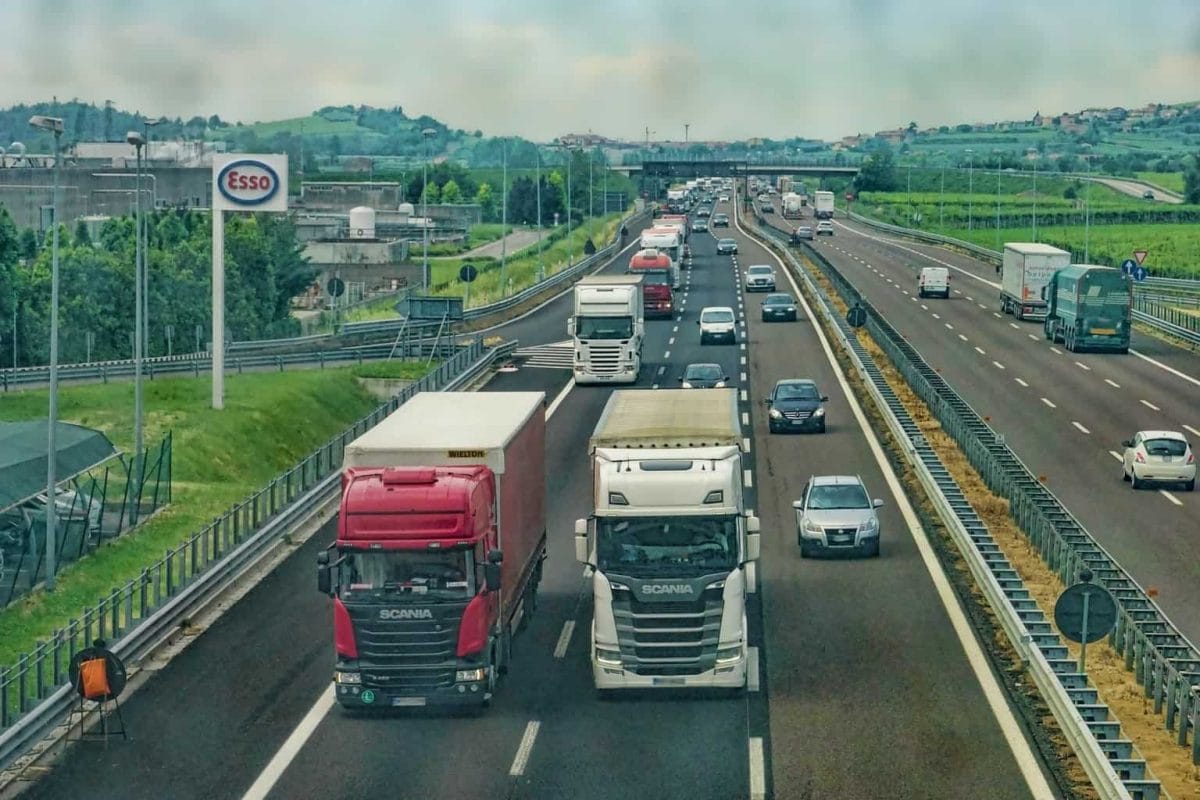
x,y
1182,326
35,695
1164,662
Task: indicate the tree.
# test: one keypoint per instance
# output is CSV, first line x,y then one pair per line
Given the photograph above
x,y
432,194
27,244
83,236
486,201
878,172
451,193
1191,182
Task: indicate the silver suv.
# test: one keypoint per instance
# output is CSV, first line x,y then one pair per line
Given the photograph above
x,y
836,515
760,278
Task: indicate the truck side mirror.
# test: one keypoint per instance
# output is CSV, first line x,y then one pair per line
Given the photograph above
x,y
495,556
571,326
324,579
581,541
491,575
753,546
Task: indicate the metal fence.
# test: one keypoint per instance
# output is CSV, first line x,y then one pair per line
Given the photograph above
x,y
93,508
1163,661
34,693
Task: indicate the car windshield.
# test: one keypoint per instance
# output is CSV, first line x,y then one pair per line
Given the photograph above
x,y
828,498
703,372
796,391
662,546
717,316
415,573
727,242
760,270
779,300
1165,447
604,328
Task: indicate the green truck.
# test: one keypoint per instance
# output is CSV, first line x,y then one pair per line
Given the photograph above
x,y
1089,308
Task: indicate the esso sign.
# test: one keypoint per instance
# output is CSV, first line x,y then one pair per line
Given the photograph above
x,y
248,182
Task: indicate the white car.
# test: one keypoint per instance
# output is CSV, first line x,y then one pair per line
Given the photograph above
x,y
824,228
717,323
1158,457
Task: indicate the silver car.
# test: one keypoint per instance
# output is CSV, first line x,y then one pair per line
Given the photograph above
x,y
760,278
1158,457
836,515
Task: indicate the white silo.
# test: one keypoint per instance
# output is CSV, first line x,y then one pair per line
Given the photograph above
x,y
362,223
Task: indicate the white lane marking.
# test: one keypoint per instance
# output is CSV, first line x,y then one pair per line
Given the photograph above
x,y
1149,405
1023,383
1047,402
522,757
291,748
745,397
1015,326
671,340
564,639
936,316
758,772
958,291
979,350
675,329
661,370
1080,427
914,299
1193,430
924,307
743,359
747,479
949,326
997,700
998,365
1055,350
745,420
981,305
1170,497
994,314
752,678
1116,455
972,299
1031,336
667,354
1163,366
1113,384
742,346
1081,365
743,377
965,339
562,395
745,445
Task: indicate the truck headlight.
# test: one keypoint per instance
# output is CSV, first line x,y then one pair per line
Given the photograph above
x,y
467,675
729,655
608,657
348,678
775,413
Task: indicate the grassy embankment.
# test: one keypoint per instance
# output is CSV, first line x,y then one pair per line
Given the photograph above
x,y
271,422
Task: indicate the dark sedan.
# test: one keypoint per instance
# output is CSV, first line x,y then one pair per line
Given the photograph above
x,y
779,306
726,246
703,376
795,404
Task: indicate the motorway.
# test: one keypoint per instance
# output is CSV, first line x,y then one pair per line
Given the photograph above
x,y
1064,414
869,683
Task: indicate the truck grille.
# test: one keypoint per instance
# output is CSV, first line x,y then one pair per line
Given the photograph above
x,y
604,359
407,656
670,638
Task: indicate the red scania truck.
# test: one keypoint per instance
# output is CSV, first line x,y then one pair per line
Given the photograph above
x,y
658,298
440,541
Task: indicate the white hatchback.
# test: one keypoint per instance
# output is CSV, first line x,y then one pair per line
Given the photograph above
x,y
1158,457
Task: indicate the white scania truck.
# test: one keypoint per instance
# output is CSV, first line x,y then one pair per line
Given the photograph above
x,y
670,543
608,328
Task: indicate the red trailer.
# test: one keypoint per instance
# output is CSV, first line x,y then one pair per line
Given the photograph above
x,y
440,542
658,299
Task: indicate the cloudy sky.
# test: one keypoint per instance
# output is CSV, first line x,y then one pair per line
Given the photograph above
x,y
541,68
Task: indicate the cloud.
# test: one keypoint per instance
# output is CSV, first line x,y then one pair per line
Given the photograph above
x,y
541,68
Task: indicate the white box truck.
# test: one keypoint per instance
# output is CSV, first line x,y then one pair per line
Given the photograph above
x,y
824,204
1026,270
671,544
608,327
793,206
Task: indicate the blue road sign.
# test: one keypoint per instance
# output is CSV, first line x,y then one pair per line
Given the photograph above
x,y
1140,273
1091,621
1128,266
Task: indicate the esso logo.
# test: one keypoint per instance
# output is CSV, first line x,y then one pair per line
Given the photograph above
x,y
248,182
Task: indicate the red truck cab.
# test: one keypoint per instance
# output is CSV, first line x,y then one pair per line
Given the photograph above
x,y
658,298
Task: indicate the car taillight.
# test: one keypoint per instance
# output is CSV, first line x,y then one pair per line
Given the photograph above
x,y
473,635
1191,458
343,631
1139,458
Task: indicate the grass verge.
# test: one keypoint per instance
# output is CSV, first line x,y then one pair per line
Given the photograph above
x,y
270,422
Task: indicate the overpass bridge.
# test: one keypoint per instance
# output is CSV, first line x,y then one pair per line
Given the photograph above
x,y
684,170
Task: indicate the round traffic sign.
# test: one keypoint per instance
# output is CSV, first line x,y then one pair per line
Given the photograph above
x,y
336,287
1140,273
1101,612
468,273
1128,266
856,317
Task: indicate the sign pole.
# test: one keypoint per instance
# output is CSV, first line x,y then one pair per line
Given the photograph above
x,y
1083,644
218,309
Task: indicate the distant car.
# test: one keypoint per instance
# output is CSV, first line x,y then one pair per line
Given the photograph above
x,y
699,225
768,208
760,278
720,220
703,376
779,306
802,232
717,323
1158,457
723,198
933,281
796,404
704,212
835,513
825,227
726,246
1147,195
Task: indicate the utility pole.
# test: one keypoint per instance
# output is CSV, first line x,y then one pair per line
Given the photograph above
x,y
503,218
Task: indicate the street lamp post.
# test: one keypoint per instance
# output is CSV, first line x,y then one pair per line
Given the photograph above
x,y
428,133
147,124
1087,202
537,171
139,142
1034,151
942,201
504,218
970,186
55,126
999,164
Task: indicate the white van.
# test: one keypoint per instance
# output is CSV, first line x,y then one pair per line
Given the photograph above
x,y
933,281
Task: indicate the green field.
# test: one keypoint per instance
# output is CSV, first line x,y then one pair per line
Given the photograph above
x,y
313,126
1172,181
271,421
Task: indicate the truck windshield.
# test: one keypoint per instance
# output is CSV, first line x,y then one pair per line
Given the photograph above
x,y
604,328
654,277
416,573
644,546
